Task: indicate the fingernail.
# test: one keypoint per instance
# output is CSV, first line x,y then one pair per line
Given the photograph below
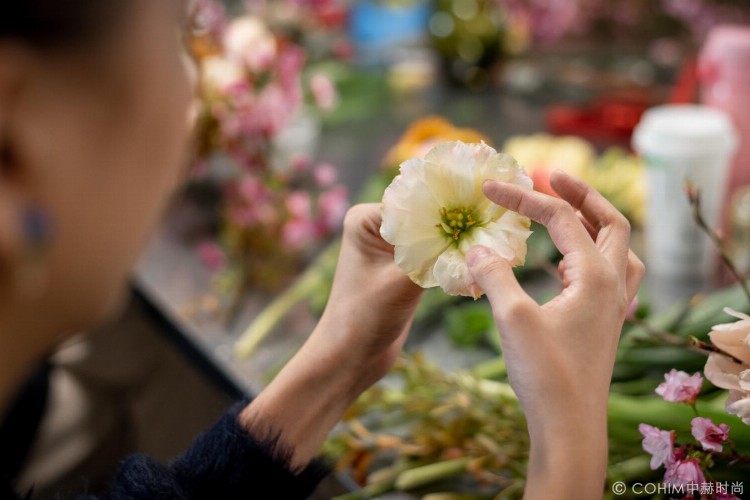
x,y
476,254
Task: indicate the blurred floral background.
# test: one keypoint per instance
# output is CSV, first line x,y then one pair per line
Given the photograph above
x,y
309,106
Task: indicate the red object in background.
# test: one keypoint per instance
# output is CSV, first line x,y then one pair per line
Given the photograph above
x,y
687,89
331,15
612,117
609,119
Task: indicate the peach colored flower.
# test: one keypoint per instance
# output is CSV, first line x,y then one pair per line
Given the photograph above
x,y
324,92
733,338
219,74
728,374
435,211
249,41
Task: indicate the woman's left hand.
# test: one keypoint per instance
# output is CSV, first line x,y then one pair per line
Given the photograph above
x,y
372,302
356,342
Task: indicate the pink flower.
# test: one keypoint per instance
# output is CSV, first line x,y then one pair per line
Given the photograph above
x,y
298,205
332,207
325,174
210,16
680,387
684,472
659,443
708,434
251,203
300,163
298,233
212,256
289,66
324,92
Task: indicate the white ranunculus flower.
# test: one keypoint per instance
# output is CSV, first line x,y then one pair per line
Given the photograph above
x,y
435,211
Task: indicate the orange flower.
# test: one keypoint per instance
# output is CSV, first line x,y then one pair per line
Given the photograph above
x,y
423,135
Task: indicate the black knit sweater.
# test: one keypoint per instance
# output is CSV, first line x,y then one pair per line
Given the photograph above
x,y
224,463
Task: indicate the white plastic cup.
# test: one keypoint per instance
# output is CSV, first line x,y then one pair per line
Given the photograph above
x,y
678,143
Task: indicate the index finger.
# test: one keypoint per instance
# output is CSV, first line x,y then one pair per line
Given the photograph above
x,y
555,214
611,228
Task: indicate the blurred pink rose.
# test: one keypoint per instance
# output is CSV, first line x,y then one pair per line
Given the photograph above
x,y
679,387
325,174
298,233
210,16
684,472
659,443
251,203
289,66
212,256
708,434
298,204
300,163
323,91
332,207
733,338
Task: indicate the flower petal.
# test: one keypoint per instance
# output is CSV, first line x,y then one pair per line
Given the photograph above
x,y
736,314
450,177
450,174
409,211
418,259
453,274
723,372
738,403
731,337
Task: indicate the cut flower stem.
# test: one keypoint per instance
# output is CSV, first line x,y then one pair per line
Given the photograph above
x,y
302,289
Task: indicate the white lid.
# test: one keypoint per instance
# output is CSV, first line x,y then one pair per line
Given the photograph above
x,y
685,130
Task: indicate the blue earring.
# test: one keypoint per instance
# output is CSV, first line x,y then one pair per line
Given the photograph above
x,y
37,229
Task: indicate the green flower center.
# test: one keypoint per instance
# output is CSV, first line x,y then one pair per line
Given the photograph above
x,y
456,221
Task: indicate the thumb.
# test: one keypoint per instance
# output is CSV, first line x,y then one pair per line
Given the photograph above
x,y
494,275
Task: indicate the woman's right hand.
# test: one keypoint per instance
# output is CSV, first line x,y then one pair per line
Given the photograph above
x,y
560,355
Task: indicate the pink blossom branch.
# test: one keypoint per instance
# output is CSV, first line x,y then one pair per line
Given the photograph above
x,y
692,343
663,335
733,457
694,197
705,346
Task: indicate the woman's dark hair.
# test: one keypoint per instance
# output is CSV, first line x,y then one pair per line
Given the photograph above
x,y
47,24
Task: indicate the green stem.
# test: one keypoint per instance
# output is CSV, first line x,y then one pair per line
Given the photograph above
x,y
421,476
301,289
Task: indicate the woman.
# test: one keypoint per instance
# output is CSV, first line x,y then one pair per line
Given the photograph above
x,y
95,99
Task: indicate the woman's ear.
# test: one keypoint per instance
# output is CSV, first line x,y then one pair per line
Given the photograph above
x,y
22,229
